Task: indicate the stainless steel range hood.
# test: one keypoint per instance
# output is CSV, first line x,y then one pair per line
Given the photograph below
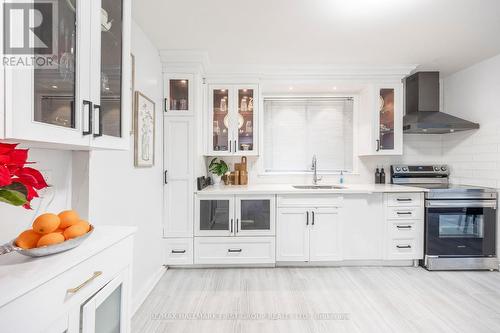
x,y
422,108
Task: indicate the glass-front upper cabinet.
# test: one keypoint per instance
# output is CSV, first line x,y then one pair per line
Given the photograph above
x,y
110,125
178,93
221,128
386,119
389,120
46,99
255,215
233,116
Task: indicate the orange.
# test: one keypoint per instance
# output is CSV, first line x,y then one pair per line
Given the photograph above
x,y
75,231
68,218
50,239
85,224
27,239
46,223
59,231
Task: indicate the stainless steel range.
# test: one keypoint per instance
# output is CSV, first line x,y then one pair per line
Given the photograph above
x,y
460,220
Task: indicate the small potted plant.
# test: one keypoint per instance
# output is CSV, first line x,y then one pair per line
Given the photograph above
x,y
19,184
218,169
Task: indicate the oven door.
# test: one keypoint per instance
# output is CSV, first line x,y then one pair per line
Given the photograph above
x,y
460,227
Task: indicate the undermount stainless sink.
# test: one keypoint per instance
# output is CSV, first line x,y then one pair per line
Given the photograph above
x,y
318,187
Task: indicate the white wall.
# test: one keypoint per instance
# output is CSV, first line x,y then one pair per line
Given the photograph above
x,y
474,94
121,194
58,166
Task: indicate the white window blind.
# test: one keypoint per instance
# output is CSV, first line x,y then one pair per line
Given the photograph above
x,y
296,129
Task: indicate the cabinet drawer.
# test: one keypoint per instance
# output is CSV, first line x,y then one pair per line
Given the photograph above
x,y
408,248
234,250
404,199
404,213
53,296
404,229
310,200
179,251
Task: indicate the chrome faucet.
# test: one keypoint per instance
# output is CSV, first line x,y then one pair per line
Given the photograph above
x,y
314,168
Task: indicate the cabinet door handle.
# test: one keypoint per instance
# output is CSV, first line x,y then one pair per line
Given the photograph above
x,y
230,147
403,246
313,217
178,251
99,118
307,218
235,146
231,225
237,222
378,145
89,110
404,199
403,213
166,105
78,288
165,177
403,226
234,250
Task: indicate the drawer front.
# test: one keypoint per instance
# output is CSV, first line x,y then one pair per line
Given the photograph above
x,y
310,200
404,229
234,250
405,213
54,296
404,199
179,251
408,249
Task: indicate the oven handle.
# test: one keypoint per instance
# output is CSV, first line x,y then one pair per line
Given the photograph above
x,y
461,203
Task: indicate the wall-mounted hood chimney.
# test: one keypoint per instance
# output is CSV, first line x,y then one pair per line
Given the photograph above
x,y
422,108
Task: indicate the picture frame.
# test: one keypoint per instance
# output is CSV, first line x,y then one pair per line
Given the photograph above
x,y
144,131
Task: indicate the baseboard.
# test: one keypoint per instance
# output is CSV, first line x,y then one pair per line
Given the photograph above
x,y
146,290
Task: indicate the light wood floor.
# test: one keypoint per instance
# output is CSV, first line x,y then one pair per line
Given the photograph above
x,y
359,299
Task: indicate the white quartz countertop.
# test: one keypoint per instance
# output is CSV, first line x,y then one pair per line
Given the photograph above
x,y
20,274
289,189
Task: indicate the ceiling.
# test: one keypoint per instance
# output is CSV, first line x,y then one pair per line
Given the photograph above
x,y
445,35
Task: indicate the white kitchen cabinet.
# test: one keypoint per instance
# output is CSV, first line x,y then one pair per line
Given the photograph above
x,y
84,100
178,94
308,234
179,251
79,290
292,236
178,152
232,127
240,215
381,121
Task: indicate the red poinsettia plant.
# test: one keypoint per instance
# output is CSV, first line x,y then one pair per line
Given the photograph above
x,y
19,184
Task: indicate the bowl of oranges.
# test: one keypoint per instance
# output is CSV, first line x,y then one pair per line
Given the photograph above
x,y
51,233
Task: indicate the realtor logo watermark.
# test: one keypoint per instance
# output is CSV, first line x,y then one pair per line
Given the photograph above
x,y
30,34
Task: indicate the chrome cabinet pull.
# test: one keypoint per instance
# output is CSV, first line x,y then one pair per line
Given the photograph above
x,y
165,177
313,218
234,250
232,225
78,288
307,218
404,199
403,246
178,251
235,146
166,105
404,226
403,213
237,222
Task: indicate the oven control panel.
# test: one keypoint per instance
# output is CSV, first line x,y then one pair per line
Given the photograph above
x,y
404,170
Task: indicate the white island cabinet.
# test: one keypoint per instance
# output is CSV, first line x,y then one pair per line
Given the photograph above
x,y
83,100
86,289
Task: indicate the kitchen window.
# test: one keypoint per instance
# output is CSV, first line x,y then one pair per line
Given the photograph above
x,y
295,129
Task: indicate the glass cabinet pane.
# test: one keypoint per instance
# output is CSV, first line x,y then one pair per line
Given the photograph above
x,y
255,214
54,86
214,215
386,124
111,66
179,94
245,119
221,120
107,315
